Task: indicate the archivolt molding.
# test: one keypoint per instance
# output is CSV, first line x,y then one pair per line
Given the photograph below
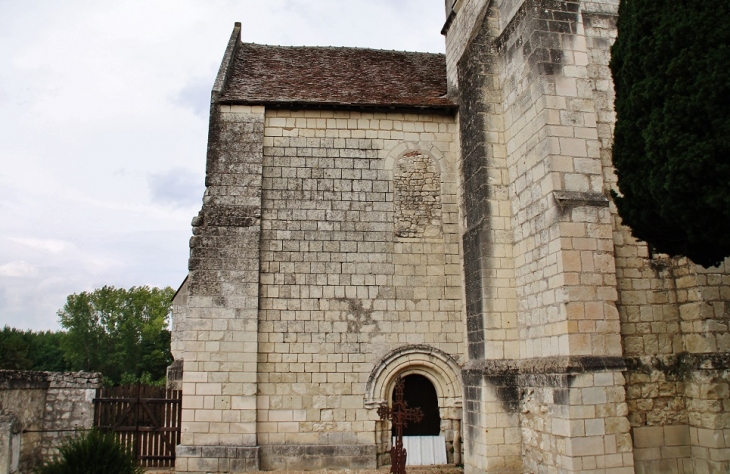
x,y
404,147
436,365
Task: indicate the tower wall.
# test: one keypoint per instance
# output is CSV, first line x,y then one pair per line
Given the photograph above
x,y
533,85
527,107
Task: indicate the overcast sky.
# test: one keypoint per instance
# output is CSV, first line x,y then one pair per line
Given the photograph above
x,y
103,128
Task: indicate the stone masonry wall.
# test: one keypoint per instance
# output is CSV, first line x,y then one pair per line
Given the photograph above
x,y
704,298
486,213
417,196
647,302
492,430
673,316
341,286
216,334
49,407
678,383
491,420
26,401
586,429
458,34
69,407
329,239
564,259
461,26
533,56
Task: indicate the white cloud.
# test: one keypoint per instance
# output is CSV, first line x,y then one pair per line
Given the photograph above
x,y
47,245
19,269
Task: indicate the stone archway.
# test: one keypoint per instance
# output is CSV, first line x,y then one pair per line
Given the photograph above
x,y
441,370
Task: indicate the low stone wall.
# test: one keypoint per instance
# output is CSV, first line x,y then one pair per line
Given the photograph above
x,y
47,406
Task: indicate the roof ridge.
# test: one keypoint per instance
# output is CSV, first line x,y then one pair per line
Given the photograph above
x,y
362,48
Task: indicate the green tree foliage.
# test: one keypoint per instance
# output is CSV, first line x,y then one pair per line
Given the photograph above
x,y
31,350
14,348
671,71
120,333
93,452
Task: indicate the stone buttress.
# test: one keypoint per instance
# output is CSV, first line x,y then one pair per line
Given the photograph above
x,y
215,333
613,358
544,384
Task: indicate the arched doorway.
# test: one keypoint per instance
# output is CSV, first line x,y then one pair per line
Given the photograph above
x,y
422,440
419,392
443,375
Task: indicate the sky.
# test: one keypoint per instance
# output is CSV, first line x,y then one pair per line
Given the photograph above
x,y
104,122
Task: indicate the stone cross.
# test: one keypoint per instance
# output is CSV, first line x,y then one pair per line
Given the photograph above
x,y
399,415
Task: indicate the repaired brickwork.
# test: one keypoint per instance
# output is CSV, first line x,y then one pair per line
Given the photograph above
x,y
417,200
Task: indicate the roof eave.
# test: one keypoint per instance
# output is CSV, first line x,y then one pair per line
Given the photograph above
x,y
442,109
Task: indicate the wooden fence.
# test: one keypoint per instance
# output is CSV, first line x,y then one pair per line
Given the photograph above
x,y
146,419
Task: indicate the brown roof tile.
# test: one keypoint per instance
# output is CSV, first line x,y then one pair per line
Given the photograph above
x,y
337,76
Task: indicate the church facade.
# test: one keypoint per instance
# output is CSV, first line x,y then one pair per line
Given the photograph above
x,y
370,215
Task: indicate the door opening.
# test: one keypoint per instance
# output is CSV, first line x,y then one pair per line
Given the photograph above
x,y
423,441
419,392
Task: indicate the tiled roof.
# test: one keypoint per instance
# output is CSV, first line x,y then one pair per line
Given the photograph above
x,y
336,76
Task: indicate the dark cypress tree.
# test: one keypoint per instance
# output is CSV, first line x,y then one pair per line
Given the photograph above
x,y
671,71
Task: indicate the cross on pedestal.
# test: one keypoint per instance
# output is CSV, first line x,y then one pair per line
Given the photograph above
x,y
399,415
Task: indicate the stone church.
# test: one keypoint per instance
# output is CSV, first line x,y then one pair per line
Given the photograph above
x,y
374,214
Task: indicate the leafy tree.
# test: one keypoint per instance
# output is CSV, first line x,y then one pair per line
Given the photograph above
x,y
30,350
671,70
14,350
120,333
46,352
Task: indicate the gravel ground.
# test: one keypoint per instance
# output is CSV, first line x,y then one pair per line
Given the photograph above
x,y
382,470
